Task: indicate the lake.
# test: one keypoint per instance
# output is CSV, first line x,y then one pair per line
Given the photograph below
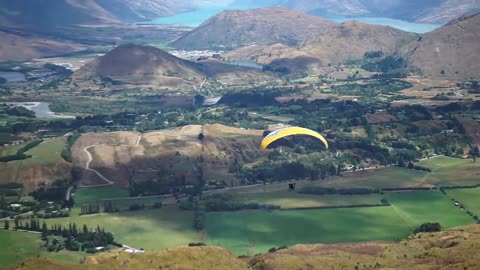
x,y
403,25
197,17
41,110
12,76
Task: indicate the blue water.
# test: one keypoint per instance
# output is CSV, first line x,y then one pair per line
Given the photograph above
x,y
403,25
197,17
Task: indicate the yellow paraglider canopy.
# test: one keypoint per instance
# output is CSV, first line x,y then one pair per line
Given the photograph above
x,y
285,132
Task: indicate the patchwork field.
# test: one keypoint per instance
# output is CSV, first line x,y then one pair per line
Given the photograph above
x,y
251,232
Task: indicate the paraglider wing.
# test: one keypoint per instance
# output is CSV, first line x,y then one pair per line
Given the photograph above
x,y
285,132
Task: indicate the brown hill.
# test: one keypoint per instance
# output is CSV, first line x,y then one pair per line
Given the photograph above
x,y
239,28
21,46
148,68
40,14
451,51
347,41
452,249
448,10
166,155
351,40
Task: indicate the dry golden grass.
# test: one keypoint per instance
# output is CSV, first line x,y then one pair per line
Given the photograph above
x,y
451,249
176,152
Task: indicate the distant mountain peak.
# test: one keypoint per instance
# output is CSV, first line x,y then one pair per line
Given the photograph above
x,y
238,28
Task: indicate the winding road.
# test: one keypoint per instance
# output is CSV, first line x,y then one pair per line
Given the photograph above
x,y
108,182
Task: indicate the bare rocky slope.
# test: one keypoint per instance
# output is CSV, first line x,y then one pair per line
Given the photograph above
x,y
239,28
451,51
452,249
17,45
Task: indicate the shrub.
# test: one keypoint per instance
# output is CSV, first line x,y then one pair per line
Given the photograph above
x,y
428,227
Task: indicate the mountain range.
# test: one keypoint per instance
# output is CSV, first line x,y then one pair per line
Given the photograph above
x,y
427,11
450,51
59,13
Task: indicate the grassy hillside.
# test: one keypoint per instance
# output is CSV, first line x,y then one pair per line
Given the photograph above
x,y
447,171
46,164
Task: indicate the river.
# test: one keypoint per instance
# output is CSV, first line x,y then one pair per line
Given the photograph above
x,y
41,110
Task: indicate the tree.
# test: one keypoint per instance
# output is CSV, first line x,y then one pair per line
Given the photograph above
x,y
6,225
475,152
201,136
17,223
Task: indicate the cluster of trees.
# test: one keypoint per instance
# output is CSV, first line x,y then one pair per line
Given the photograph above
x,y
428,227
67,152
110,207
274,171
89,208
20,155
53,193
222,202
70,237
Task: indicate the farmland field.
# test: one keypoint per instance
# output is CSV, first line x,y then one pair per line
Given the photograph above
x,y
447,171
149,229
288,200
83,195
251,232
18,246
427,206
469,197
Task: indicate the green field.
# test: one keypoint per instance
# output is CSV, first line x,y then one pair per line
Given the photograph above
x,y
83,195
250,232
10,150
448,171
289,200
391,177
427,206
469,197
47,152
150,229
19,246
